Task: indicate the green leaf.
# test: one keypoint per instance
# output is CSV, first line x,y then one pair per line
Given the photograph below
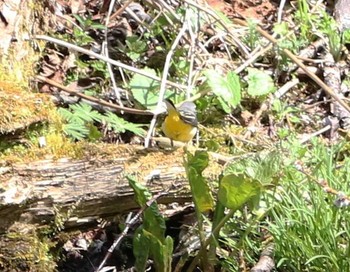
x,y
85,112
259,83
236,190
82,38
94,133
199,185
168,251
76,131
142,195
99,66
149,239
144,89
66,114
234,87
153,221
136,47
141,246
161,252
281,28
119,125
227,90
219,214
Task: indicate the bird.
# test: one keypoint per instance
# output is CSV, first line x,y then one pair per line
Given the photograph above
x,y
181,123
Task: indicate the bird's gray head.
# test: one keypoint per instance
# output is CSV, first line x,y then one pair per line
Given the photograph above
x,y
188,106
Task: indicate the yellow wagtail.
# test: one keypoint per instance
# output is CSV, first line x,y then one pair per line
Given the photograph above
x,y
181,123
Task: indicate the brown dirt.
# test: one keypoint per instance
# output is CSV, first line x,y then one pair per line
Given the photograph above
x,y
260,10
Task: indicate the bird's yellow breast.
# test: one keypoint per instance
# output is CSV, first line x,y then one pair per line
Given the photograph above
x,y
176,129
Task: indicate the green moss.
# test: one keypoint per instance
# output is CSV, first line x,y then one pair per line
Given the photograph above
x,y
22,249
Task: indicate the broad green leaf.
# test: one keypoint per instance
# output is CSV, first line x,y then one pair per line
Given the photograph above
x,y
234,87
219,214
199,185
199,161
141,249
264,167
168,250
142,195
259,83
226,89
161,252
153,221
236,190
144,89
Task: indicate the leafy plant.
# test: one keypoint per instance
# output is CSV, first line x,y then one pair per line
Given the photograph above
x,y
78,116
287,40
227,89
119,125
281,110
305,20
81,37
136,47
252,38
150,239
310,233
81,117
145,89
239,185
329,27
259,83
86,23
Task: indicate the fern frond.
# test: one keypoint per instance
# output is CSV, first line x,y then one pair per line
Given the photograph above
x,y
76,131
85,112
119,125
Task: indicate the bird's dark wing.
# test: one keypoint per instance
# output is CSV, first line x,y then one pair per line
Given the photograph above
x,y
188,113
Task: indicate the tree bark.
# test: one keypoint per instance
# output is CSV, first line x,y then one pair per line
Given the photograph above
x,y
78,192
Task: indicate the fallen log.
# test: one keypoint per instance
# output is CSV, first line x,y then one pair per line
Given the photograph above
x,y
72,193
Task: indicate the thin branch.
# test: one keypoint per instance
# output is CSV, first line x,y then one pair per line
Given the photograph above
x,y
266,262
128,225
93,99
164,80
105,51
106,59
295,59
212,13
119,11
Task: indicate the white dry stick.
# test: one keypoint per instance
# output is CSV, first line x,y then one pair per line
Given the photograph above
x,y
253,58
169,9
227,28
106,53
285,88
280,10
163,82
104,58
316,133
193,33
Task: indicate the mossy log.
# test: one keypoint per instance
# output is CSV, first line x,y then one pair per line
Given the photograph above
x,y
78,192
